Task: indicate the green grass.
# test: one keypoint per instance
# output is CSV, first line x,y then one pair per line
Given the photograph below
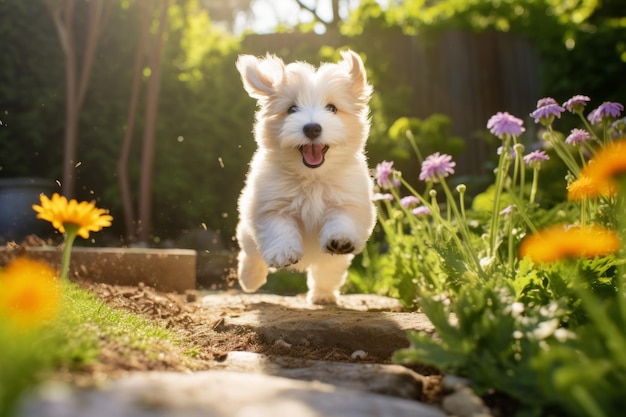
x,y
84,320
72,340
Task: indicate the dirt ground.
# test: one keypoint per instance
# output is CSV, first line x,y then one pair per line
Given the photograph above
x,y
200,332
203,341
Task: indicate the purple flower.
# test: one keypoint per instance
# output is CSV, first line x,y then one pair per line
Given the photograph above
x,y
421,211
535,158
437,166
546,101
381,197
409,201
502,124
577,136
576,103
383,171
606,110
546,114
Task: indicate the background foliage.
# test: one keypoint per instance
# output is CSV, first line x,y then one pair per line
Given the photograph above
x,y
204,124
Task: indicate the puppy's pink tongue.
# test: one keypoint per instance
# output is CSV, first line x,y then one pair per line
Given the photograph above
x,y
313,154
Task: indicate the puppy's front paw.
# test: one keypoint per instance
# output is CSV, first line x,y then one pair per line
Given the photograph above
x,y
282,258
322,298
339,246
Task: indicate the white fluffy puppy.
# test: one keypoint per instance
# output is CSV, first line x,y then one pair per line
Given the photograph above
x,y
307,201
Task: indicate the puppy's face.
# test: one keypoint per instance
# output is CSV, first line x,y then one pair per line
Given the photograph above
x,y
310,116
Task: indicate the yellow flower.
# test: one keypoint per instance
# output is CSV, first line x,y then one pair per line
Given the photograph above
x,y
608,164
562,242
62,213
588,187
30,293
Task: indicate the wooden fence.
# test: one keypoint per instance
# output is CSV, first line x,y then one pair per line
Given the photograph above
x,y
467,76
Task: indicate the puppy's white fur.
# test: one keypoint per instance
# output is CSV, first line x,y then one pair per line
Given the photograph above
x,y
294,215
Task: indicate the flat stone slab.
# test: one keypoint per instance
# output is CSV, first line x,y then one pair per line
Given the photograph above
x,y
394,380
357,323
218,394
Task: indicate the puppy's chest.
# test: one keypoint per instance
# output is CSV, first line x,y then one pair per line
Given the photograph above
x,y
312,204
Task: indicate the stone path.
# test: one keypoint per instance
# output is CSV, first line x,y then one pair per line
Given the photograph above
x,y
247,384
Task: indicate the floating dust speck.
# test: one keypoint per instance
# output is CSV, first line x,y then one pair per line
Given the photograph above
x,y
220,161
203,225
77,164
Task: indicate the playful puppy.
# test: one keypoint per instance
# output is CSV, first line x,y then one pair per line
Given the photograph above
x,y
307,201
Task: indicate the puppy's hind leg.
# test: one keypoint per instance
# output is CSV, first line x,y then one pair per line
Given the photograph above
x,y
251,270
325,277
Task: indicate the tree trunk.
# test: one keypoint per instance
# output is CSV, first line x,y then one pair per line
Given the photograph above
x,y
152,101
145,13
76,84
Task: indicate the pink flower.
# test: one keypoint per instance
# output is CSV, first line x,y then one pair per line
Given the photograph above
x,y
409,200
576,103
384,171
437,166
535,158
502,124
421,211
577,136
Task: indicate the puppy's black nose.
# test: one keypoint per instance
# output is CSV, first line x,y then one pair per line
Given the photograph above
x,y
312,130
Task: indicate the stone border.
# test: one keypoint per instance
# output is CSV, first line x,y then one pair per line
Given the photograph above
x,y
163,269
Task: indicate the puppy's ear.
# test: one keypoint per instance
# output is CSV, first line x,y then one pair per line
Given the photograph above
x,y
260,76
354,65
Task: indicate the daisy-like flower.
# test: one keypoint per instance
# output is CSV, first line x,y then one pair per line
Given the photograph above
x,y
608,164
409,200
63,213
72,218
502,124
560,242
384,175
586,187
546,114
31,294
421,211
577,136
437,166
577,103
535,158
606,110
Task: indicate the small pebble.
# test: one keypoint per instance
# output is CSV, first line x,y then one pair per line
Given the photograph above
x,y
454,383
359,354
280,343
191,296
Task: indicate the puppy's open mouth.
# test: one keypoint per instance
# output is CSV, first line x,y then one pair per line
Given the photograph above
x,y
313,154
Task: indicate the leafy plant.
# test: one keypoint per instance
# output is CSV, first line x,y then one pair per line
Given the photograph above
x,y
530,309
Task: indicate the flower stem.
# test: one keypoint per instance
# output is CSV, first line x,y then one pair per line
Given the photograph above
x,y
500,175
533,189
70,235
563,152
462,224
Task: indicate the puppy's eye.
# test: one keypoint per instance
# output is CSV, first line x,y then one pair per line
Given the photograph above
x,y
331,108
292,109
